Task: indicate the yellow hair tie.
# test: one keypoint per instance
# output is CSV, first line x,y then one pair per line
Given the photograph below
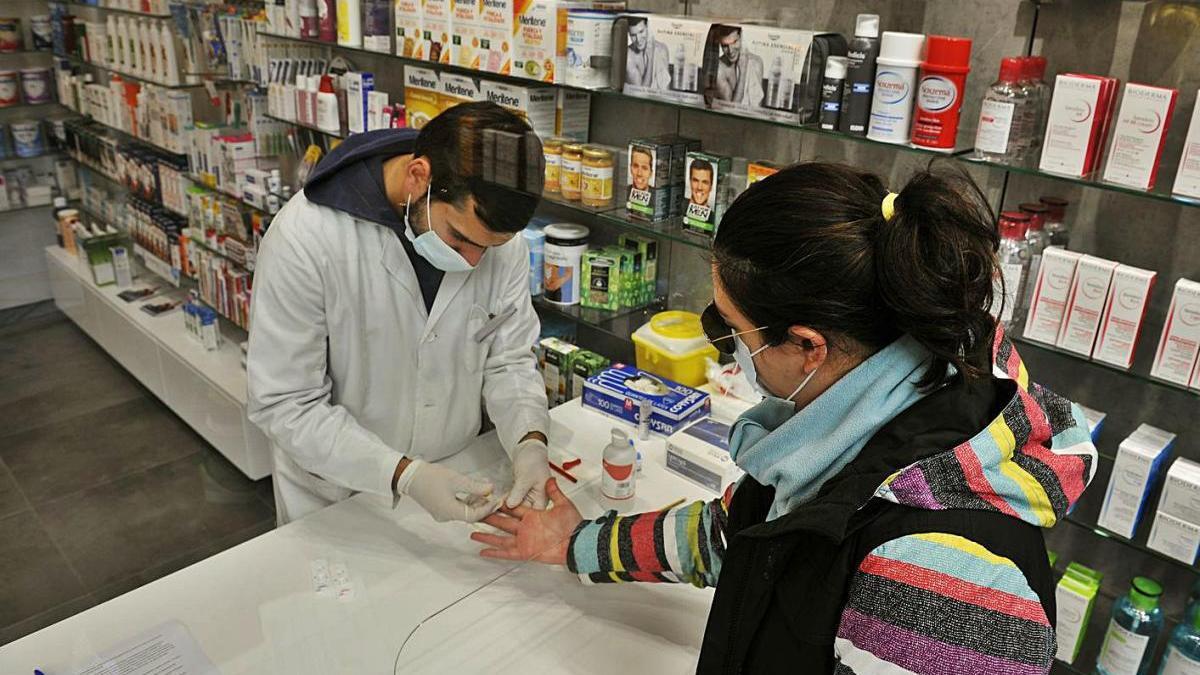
x,y
889,206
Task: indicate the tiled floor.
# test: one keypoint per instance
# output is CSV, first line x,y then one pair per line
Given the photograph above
x,y
102,488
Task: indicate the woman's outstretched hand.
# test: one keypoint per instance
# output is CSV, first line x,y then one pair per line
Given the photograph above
x,y
530,534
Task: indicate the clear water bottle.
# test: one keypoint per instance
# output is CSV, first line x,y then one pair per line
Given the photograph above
x,y
1056,220
1133,632
1183,652
1038,240
1003,116
1014,263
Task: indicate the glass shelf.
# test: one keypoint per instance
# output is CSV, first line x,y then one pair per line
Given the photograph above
x,y
217,252
1134,544
310,127
134,139
1161,191
671,229
620,323
1135,373
75,60
114,10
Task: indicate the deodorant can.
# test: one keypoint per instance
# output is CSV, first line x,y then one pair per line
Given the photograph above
x,y
831,92
940,92
895,87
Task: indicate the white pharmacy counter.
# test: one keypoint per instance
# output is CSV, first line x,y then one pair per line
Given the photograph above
x,y
419,598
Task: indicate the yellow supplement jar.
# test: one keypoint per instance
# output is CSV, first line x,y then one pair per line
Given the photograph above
x,y
570,171
552,151
596,176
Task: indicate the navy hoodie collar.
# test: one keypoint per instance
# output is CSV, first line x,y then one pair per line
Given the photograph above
x,y
343,180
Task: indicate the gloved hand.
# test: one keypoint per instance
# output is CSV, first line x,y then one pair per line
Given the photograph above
x,y
446,494
531,469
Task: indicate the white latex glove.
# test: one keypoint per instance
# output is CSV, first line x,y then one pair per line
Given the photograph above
x,y
531,470
445,493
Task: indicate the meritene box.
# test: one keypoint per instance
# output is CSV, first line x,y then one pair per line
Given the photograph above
x,y
409,41
455,89
1175,360
536,103
1139,133
422,101
1072,125
465,31
437,27
1048,302
1121,325
1089,293
497,19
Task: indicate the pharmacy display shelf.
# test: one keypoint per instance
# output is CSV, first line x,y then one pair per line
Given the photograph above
x,y
310,127
9,161
620,323
26,107
200,182
614,93
116,10
199,243
1161,192
671,229
125,135
207,389
1140,370
1137,544
75,60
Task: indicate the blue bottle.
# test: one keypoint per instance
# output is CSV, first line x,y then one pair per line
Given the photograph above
x,y
1132,635
1183,653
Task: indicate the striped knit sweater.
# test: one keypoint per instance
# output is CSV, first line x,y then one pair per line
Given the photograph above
x,y
929,603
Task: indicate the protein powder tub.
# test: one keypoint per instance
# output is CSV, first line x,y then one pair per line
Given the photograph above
x,y
565,245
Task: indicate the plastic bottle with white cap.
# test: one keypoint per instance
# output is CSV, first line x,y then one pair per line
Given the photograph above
x,y
895,87
861,55
831,92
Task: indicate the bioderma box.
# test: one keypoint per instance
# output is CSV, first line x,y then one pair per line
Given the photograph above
x,y
1139,462
1073,125
1139,132
1121,324
1048,302
1175,359
1089,293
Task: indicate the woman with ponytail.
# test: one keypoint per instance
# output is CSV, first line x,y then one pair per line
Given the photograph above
x,y
901,467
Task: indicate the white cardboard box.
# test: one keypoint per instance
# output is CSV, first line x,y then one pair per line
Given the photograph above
x,y
358,86
1181,491
1085,304
466,29
455,89
437,27
1176,538
1121,324
496,21
1139,132
533,102
1070,124
1140,459
410,43
1187,179
574,114
1179,345
1049,298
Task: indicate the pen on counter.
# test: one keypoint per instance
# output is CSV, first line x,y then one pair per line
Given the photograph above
x,y
562,472
673,504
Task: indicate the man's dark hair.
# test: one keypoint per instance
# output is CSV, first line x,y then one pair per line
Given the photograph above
x,y
701,165
482,150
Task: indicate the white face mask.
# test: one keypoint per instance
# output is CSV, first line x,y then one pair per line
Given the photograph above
x,y
745,360
430,246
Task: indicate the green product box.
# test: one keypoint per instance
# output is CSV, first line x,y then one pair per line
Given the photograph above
x,y
706,190
631,274
584,364
649,249
554,357
1075,595
601,286
99,256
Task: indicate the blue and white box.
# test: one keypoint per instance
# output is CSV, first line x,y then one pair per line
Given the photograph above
x,y
1140,461
619,390
700,453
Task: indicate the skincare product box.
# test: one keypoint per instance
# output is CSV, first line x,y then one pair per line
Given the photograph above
x,y
664,58
700,453
759,70
619,390
1139,133
1089,293
437,24
1052,288
554,357
410,42
496,21
1175,360
422,99
465,33
358,87
1074,124
573,114
1139,463
1181,491
649,173
1074,598
705,189
1174,537
378,114
455,89
1187,178
1121,324
536,104
1095,421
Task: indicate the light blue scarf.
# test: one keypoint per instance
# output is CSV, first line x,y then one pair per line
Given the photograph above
x,y
796,452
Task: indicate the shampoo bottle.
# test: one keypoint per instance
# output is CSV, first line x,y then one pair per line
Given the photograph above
x,y
1183,652
327,106
1133,632
860,75
895,87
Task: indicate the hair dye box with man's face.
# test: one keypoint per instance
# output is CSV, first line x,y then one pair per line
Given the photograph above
x,y
705,180
649,172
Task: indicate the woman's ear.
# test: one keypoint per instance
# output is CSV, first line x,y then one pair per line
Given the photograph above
x,y
811,344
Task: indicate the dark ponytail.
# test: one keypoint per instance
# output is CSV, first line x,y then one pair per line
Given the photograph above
x,y
810,246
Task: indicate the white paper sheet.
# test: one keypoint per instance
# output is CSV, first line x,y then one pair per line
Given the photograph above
x,y
168,649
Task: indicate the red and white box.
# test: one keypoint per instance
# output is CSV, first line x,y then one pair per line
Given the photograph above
x,y
1085,304
1175,360
1073,125
1104,114
1187,179
1048,302
1139,133
1123,315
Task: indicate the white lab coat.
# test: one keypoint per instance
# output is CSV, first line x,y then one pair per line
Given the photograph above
x,y
347,373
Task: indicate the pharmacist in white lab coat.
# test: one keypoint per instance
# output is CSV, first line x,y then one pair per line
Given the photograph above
x,y
391,297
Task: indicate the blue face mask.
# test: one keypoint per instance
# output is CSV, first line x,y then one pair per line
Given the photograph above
x,y
745,359
430,246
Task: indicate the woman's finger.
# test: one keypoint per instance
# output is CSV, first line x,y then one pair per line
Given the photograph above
x,y
501,554
517,511
502,522
494,540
